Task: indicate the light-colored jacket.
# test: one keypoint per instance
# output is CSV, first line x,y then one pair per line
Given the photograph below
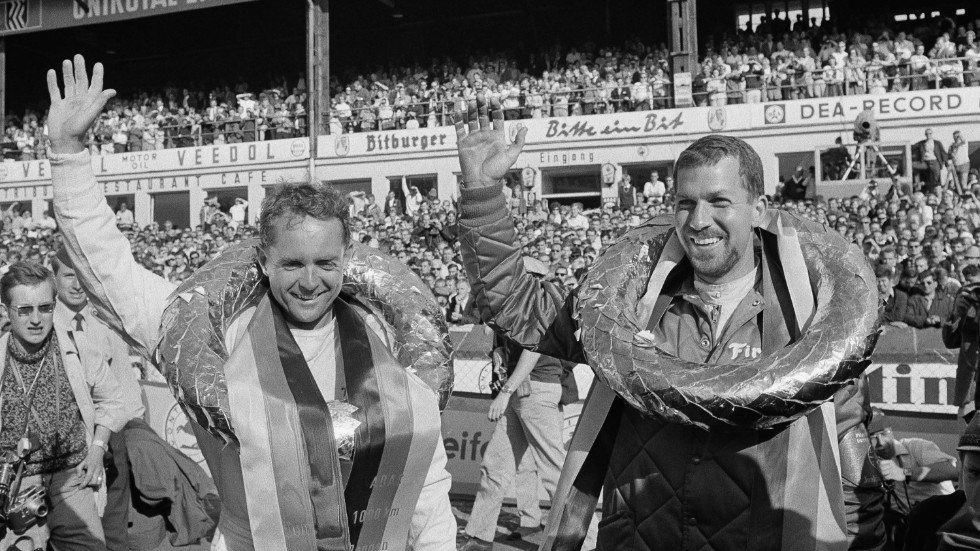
x,y
99,398
132,299
100,343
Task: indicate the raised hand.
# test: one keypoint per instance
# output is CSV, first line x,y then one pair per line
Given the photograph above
x,y
485,154
73,112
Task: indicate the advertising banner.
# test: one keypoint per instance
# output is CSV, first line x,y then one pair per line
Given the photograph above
x,y
198,159
20,16
844,109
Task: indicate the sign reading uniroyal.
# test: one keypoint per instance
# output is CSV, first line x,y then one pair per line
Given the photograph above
x,y
19,16
172,160
930,103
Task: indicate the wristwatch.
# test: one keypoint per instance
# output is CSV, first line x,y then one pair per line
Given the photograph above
x,y
505,390
101,444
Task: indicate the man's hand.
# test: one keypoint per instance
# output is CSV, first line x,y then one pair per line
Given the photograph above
x,y
891,471
498,406
485,155
91,470
72,113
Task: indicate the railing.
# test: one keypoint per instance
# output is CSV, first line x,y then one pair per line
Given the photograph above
x,y
780,85
870,78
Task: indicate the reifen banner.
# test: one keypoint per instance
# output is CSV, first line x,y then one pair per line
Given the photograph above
x,y
21,16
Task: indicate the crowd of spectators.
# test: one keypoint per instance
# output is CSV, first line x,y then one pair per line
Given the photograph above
x,y
775,60
174,118
921,239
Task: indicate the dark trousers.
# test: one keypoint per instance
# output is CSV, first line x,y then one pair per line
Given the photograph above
x,y
115,520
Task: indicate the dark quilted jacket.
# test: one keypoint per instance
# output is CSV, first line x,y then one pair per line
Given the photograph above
x,y
668,486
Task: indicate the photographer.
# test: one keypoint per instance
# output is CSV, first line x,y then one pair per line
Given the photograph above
x,y
962,330
65,405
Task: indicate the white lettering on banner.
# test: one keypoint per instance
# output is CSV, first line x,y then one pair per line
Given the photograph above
x,y
551,157
114,10
887,106
197,157
927,387
18,193
206,181
24,170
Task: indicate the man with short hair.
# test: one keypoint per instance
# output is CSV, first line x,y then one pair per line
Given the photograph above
x,y
671,485
952,522
961,330
931,153
895,300
577,220
627,193
654,190
65,406
959,160
931,307
394,492
97,344
124,216
918,467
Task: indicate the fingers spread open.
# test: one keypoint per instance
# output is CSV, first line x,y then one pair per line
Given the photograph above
x,y
53,90
457,118
68,75
81,75
472,116
482,108
513,151
98,73
498,117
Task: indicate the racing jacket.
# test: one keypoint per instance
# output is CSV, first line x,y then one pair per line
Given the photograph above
x,y
671,486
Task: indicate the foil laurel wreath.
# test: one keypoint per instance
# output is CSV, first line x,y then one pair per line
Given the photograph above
x,y
769,391
191,353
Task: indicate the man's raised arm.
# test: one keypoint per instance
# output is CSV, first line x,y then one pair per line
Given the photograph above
x,y
130,297
533,313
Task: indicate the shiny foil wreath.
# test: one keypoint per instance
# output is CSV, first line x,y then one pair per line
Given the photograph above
x,y
191,353
771,390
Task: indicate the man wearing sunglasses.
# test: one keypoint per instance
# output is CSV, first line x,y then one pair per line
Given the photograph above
x,y
931,307
66,408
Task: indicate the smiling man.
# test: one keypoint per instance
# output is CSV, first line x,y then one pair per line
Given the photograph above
x,y
726,300
282,482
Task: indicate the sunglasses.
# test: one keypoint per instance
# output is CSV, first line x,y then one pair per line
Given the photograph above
x,y
26,310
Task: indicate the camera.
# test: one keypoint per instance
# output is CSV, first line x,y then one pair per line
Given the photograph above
x,y
865,127
29,509
8,471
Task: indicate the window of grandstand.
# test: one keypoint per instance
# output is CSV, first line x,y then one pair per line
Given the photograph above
x,y
788,16
570,185
426,183
173,207
347,187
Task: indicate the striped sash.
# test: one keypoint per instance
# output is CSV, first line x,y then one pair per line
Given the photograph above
x,y
299,494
